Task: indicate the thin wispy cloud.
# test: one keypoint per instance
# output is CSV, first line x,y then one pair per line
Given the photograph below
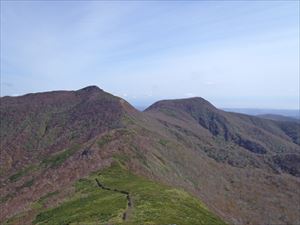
x,y
144,51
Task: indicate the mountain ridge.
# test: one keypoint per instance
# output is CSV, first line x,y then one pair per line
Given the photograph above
x,y
186,143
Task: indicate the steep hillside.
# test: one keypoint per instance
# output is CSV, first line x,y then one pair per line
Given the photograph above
x,y
269,140
253,176
55,144
46,140
279,117
36,125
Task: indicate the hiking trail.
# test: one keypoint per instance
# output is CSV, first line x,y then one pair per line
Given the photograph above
x,y
129,201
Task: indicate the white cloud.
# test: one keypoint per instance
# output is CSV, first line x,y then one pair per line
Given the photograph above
x,y
189,94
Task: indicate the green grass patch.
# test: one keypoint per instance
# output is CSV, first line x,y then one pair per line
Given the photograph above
x,y
163,142
17,219
104,140
128,120
169,112
158,204
153,203
89,205
58,158
22,173
47,196
122,158
28,183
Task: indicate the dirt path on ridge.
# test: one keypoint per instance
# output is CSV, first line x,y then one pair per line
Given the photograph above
x,y
129,201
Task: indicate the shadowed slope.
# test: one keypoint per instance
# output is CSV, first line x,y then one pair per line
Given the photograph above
x,y
253,160
271,139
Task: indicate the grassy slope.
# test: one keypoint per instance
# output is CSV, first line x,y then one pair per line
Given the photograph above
x,y
153,203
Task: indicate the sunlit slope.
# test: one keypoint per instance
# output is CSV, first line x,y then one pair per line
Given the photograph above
x,y
152,203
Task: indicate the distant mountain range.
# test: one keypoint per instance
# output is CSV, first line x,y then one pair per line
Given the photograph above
x,y
293,113
279,118
88,157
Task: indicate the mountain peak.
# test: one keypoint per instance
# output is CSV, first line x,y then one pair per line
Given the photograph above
x,y
91,88
185,103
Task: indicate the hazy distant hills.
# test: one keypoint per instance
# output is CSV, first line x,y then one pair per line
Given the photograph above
x,y
160,166
290,113
279,118
293,113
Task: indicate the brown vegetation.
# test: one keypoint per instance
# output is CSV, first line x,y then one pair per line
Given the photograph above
x,y
246,169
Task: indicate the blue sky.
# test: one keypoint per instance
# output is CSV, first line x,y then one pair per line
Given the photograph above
x,y
233,53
